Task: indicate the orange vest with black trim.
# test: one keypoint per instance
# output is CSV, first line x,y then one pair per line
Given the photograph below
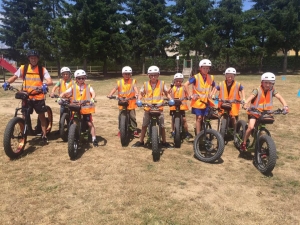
x,y
202,89
32,81
126,90
262,102
84,95
179,92
154,96
234,94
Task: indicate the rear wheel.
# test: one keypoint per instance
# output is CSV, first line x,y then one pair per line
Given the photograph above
x,y
155,143
63,126
177,133
73,141
223,128
239,133
123,130
14,139
265,155
209,147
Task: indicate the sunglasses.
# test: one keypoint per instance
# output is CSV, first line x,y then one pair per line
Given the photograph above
x,y
80,78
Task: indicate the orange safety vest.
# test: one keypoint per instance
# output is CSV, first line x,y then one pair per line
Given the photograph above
x,y
233,95
179,92
262,102
154,96
64,85
31,81
202,89
126,90
85,95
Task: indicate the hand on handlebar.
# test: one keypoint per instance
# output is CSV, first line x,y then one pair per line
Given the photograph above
x,y
45,88
171,102
5,86
139,103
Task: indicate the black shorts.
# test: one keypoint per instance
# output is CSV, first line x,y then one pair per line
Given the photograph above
x,y
182,112
87,118
39,106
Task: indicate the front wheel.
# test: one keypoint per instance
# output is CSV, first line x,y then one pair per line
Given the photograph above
x,y
155,143
177,133
239,133
63,126
265,155
223,128
14,138
208,147
73,141
123,130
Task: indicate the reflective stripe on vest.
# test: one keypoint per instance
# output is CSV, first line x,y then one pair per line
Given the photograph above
x,y
232,95
126,90
262,102
180,94
64,85
86,95
31,82
201,89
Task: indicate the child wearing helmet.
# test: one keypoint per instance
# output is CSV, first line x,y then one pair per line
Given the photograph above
x,y
62,85
34,76
152,92
202,84
230,90
127,88
261,98
81,91
178,91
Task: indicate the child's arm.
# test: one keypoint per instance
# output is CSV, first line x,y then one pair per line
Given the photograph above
x,y
112,92
243,95
248,100
54,89
213,92
283,102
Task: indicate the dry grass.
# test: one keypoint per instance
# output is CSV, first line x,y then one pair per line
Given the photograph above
x,y
121,185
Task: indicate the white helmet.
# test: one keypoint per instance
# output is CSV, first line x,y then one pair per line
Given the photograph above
x,y
126,69
153,69
268,76
65,69
79,73
230,70
178,76
205,62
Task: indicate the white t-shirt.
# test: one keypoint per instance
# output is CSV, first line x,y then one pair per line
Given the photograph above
x,y
46,73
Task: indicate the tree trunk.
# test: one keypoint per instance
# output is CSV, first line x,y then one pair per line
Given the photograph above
x,y
284,62
105,67
85,65
58,68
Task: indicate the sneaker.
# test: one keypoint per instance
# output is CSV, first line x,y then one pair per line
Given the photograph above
x,y
138,144
136,134
95,143
188,136
243,147
166,145
45,140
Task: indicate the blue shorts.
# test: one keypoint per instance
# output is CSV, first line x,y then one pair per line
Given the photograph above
x,y
200,112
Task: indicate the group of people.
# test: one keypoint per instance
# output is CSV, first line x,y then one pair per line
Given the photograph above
x,y
202,95
204,90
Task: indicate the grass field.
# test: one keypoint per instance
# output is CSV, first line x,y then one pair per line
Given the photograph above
x,y
111,184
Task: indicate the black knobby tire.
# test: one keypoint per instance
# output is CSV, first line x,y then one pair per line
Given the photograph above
x,y
239,133
265,155
155,143
73,141
14,141
223,128
123,130
177,133
63,126
210,148
49,122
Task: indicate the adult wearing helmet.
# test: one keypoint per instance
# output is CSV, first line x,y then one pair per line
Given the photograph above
x,y
80,91
34,76
127,88
230,90
261,98
202,84
62,85
153,91
178,91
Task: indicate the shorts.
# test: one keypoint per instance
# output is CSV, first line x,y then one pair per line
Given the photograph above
x,y
39,106
87,117
182,112
200,112
146,119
